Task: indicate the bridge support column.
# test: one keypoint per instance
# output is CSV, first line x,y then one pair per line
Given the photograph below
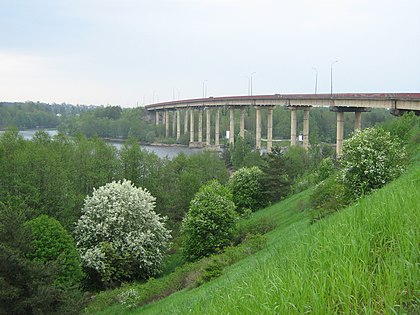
x,y
293,126
232,126
157,118
208,141
174,114
258,128
166,115
191,127
178,125
357,120
200,126
242,124
340,123
340,131
306,129
270,129
216,127
186,121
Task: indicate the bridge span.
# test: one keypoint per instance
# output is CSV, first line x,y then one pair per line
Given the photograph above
x,y
356,103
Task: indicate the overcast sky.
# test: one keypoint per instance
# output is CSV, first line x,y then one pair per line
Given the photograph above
x,y
129,52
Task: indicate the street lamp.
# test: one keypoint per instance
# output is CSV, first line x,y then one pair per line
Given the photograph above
x,y
249,84
204,88
251,81
316,78
331,76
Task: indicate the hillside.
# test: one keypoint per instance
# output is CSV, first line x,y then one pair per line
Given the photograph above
x,y
363,259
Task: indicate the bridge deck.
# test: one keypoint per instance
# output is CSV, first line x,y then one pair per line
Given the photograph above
x,y
403,101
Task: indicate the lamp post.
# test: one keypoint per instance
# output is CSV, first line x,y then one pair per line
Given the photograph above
x,y
331,76
251,81
249,84
204,88
316,79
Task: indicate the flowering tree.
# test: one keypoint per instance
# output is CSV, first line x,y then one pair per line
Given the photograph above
x,y
119,236
210,223
371,158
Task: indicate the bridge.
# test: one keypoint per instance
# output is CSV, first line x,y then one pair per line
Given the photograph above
x,y
356,103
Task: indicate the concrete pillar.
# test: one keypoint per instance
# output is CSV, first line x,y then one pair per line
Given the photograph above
x,y
178,125
166,114
340,131
186,121
208,127
200,125
232,126
216,127
174,114
357,120
306,129
242,124
270,129
191,126
293,126
157,118
258,128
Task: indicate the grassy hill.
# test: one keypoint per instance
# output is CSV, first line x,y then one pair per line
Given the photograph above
x,y
362,260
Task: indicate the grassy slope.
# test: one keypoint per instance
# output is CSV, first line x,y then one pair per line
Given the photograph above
x,y
364,259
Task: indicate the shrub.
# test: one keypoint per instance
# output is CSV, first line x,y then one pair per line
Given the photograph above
x,y
52,244
246,188
210,223
328,197
119,236
371,158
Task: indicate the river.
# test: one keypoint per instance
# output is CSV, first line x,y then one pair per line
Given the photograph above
x,y
161,151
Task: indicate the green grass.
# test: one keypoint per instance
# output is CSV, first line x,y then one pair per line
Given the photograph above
x,y
362,260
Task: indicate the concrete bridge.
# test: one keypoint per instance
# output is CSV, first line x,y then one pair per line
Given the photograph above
x,y
356,103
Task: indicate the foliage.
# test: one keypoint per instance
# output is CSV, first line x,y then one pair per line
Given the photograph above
x,y
325,169
328,197
28,286
119,236
371,158
52,244
210,223
242,155
129,298
276,181
246,188
407,130
296,161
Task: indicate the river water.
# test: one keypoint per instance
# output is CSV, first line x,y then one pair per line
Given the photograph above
x,y
161,151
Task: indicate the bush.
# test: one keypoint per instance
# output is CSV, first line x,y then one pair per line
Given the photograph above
x,y
371,158
52,244
210,223
119,236
246,188
328,197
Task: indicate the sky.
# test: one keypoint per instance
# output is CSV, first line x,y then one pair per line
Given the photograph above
x,y
136,52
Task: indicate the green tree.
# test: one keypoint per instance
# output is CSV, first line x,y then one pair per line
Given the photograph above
x,y
28,286
276,181
210,223
53,245
119,236
247,189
